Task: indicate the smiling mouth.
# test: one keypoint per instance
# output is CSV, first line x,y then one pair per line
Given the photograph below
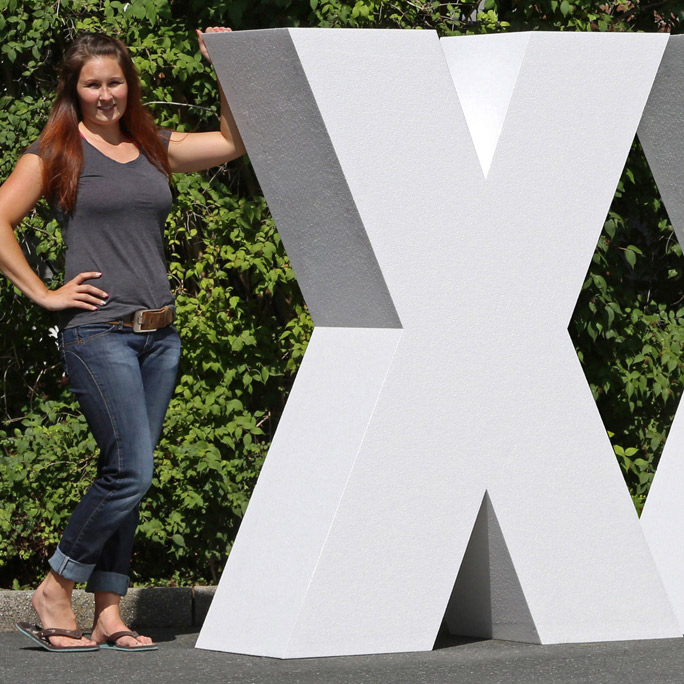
x,y
107,108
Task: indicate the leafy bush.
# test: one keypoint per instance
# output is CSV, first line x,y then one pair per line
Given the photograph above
x,y
628,325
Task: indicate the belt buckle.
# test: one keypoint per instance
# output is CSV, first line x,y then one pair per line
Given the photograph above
x,y
138,320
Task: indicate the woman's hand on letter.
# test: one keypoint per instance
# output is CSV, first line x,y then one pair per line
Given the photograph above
x,y
76,294
210,29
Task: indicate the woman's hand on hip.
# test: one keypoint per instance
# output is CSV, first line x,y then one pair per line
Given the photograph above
x,y
76,294
210,29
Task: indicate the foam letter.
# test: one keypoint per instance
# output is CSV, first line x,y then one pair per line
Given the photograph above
x,y
440,204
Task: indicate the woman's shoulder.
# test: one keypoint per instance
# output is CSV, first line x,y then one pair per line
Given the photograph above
x,y
33,148
164,135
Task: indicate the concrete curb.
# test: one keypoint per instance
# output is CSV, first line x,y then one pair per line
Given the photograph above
x,y
176,607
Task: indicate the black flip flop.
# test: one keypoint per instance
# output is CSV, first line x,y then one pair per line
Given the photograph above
x,y
113,638
41,637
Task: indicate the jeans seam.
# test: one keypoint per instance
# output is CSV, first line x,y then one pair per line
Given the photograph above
x,y
118,449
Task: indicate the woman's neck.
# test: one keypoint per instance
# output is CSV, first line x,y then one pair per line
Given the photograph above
x,y
112,135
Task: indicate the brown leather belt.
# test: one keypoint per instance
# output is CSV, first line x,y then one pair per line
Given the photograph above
x,y
146,320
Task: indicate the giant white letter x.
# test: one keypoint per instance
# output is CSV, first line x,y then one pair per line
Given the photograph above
x,y
440,203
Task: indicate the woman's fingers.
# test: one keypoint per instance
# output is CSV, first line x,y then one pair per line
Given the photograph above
x,y
86,275
77,294
209,29
89,297
58,300
202,46
78,281
85,294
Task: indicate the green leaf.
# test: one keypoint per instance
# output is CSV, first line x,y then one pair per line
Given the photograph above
x,y
631,257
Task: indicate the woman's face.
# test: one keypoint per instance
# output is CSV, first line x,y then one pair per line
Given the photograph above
x,y
102,91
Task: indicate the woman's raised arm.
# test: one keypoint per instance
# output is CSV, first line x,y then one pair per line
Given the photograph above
x,y
196,151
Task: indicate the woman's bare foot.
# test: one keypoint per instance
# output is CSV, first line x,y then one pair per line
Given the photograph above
x,y
52,603
108,621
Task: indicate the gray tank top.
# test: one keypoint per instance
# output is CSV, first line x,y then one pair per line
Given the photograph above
x,y
117,228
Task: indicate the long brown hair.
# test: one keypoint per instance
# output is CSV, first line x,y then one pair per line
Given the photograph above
x,y
60,143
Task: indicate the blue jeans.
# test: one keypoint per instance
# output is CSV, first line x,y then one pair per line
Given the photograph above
x,y
123,381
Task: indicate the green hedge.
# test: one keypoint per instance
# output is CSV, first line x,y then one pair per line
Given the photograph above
x,y
242,319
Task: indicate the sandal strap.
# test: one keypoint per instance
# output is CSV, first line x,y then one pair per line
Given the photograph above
x,y
56,631
124,632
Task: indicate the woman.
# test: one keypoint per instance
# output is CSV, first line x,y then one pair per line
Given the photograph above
x,y
104,168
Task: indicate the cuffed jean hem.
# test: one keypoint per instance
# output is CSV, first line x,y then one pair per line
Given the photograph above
x,y
108,581
70,569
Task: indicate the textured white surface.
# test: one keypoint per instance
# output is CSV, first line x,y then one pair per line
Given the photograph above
x,y
485,74
471,381
299,491
661,133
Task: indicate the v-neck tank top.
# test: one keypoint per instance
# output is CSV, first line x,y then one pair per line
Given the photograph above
x,y
117,228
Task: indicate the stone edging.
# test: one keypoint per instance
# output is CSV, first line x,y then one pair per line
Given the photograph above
x,y
177,607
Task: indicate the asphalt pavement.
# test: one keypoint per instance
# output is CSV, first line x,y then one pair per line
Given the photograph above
x,y
465,661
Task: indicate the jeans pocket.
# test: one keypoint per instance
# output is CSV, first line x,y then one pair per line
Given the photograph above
x,y
86,333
